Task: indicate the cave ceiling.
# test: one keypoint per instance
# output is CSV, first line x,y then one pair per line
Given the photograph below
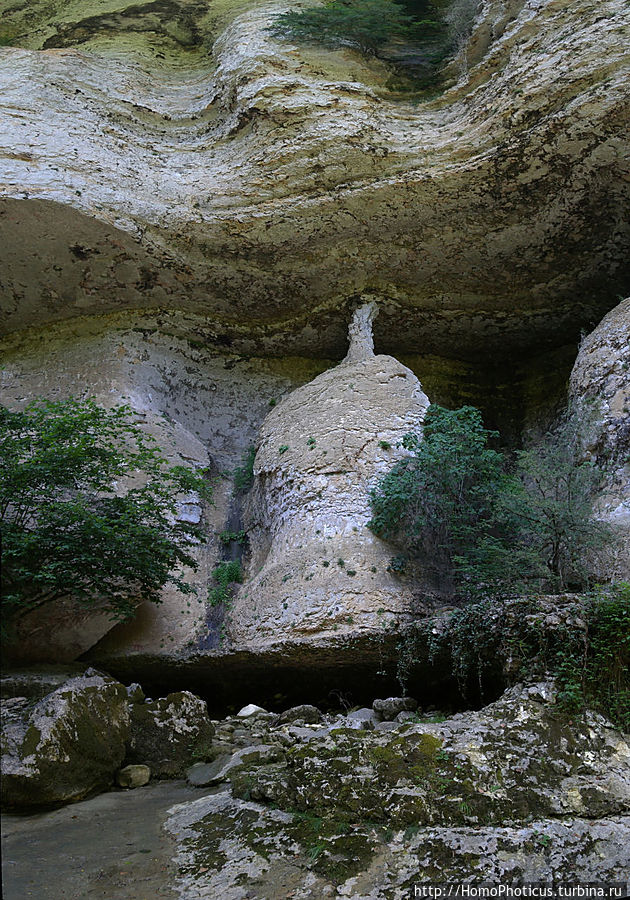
x,y
175,156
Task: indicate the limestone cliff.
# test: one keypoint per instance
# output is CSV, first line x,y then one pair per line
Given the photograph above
x,y
191,209
599,390
176,155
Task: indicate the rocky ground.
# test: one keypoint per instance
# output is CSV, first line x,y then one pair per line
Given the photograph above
x,y
361,803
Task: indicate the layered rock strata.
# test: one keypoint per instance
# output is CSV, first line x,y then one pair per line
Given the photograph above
x,y
599,391
267,185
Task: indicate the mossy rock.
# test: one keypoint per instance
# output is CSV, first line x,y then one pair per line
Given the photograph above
x,y
169,734
66,745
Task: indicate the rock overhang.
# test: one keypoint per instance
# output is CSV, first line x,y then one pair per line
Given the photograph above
x,y
268,188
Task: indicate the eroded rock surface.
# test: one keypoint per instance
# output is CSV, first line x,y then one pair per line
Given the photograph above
x,y
517,791
267,185
317,567
599,390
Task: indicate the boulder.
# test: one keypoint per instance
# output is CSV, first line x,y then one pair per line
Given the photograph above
x,y
225,767
518,791
247,712
65,745
361,718
388,709
518,758
262,847
133,776
169,734
308,714
201,774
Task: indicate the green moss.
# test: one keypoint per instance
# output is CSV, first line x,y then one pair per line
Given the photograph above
x,y
403,760
335,849
31,741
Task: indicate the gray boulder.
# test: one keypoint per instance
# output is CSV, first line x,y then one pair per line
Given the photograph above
x,y
361,718
308,714
224,768
201,774
388,709
517,759
133,776
64,745
169,734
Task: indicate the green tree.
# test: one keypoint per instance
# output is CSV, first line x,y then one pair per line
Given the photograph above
x,y
442,502
88,506
481,525
365,24
552,502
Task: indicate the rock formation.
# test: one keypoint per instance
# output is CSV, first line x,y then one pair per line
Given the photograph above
x,y
265,186
193,239
599,391
316,567
333,804
68,743
511,793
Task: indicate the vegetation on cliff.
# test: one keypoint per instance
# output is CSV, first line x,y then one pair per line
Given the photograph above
x,y
365,24
88,506
481,522
581,640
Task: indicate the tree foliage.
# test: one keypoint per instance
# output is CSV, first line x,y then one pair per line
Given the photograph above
x,y
365,24
88,506
479,523
552,501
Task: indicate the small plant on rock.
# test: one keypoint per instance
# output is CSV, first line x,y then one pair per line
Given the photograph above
x,y
225,574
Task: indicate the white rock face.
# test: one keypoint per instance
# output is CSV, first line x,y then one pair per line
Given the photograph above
x,y
204,409
600,389
316,566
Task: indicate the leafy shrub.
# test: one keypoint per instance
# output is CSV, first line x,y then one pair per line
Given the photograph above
x,y
236,537
88,506
224,575
552,502
441,502
478,525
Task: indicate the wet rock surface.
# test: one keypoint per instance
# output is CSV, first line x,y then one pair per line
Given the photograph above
x,y
110,846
